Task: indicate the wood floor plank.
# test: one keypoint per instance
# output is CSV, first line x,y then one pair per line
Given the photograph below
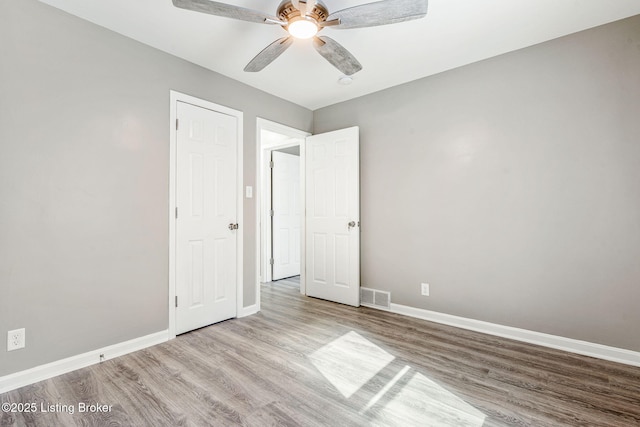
x,y
307,362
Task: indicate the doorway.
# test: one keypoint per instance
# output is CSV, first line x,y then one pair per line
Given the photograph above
x,y
330,219
288,146
285,212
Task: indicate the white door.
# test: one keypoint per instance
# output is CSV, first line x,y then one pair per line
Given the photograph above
x,y
285,194
206,200
332,176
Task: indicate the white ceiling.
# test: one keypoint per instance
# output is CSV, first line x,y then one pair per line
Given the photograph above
x,y
454,33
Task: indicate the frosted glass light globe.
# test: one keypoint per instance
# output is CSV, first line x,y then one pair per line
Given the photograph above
x,y
302,29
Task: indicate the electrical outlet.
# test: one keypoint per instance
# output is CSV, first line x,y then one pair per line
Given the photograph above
x,y
15,339
425,289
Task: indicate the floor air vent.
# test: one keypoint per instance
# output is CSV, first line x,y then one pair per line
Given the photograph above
x,y
375,299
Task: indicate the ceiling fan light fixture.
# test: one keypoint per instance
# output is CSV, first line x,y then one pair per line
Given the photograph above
x,y
303,28
303,19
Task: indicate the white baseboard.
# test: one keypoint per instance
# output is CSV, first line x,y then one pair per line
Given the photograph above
x,y
248,311
59,367
585,348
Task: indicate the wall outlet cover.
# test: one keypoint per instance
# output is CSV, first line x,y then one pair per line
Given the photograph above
x,y
15,339
425,289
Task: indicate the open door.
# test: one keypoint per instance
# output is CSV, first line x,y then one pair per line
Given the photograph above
x,y
285,214
332,236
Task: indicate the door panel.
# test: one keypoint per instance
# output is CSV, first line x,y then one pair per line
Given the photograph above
x,y
285,193
195,272
333,202
206,200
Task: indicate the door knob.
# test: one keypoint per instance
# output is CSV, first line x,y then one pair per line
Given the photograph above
x,y
352,224
233,226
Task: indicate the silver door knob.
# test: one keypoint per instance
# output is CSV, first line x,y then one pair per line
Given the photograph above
x,y
352,224
233,226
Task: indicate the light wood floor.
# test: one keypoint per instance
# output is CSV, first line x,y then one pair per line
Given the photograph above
x,y
307,362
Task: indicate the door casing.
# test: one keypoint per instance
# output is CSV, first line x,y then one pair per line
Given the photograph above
x,y
174,98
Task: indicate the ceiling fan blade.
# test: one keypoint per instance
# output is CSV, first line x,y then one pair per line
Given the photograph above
x,y
337,55
226,10
379,13
269,54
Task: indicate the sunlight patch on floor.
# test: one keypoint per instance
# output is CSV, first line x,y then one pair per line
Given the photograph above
x,y
407,396
386,388
423,399
350,361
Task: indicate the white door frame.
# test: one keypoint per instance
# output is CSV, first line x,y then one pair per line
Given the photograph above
x,y
263,194
176,97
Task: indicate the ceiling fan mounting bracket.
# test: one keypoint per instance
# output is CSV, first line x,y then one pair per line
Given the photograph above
x,y
287,12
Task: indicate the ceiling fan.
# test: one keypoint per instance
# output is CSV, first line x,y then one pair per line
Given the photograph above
x,y
305,18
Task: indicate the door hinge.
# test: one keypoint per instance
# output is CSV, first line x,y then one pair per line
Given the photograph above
x,y
271,164
271,261
176,300
271,213
177,124
176,212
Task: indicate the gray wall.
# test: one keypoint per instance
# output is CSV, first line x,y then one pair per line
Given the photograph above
x,y
512,186
84,178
